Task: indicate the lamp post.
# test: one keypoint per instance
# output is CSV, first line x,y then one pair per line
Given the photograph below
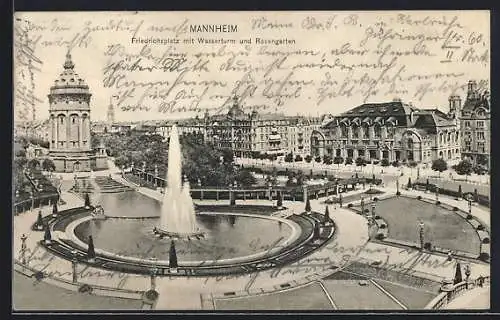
x,y
156,175
372,217
467,275
32,196
74,262
362,205
421,227
270,186
470,206
437,193
23,249
397,186
154,271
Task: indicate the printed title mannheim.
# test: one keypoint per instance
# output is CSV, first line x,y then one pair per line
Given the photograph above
x,y
213,28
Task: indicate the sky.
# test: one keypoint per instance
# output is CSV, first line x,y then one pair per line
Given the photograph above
x,y
333,61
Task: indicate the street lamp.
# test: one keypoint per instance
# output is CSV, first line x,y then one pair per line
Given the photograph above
x,y
421,234
372,217
74,262
362,205
23,249
154,272
467,275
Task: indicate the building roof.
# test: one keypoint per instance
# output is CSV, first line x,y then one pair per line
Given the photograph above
x,y
69,79
394,112
470,105
393,108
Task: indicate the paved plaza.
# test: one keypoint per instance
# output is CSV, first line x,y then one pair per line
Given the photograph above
x,y
305,277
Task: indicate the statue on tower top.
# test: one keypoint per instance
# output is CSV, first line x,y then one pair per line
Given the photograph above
x,y
68,64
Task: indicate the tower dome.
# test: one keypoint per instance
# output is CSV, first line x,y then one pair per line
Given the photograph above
x,y
69,108
69,83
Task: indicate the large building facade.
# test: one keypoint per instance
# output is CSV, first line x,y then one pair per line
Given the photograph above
x,y
475,125
249,134
395,131
70,144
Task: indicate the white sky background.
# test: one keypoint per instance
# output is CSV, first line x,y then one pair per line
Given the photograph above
x,y
418,41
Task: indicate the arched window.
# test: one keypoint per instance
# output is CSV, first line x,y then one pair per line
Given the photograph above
x,y
366,132
377,131
410,143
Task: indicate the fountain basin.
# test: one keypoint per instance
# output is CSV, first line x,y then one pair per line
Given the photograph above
x,y
229,238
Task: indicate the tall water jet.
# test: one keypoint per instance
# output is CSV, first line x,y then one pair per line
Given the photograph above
x,y
177,217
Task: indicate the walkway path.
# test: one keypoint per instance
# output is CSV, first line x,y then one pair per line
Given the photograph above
x,y
477,298
349,244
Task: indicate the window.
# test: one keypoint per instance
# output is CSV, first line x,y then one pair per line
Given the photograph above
x,y
467,124
73,120
467,146
62,120
480,147
480,124
480,135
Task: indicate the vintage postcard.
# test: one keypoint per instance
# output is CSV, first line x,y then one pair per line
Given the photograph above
x,y
307,160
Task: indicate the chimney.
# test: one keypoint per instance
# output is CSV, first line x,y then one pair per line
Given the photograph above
x,y
455,103
472,89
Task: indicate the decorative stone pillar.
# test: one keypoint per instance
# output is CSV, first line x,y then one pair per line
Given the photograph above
x,y
56,133
80,131
68,130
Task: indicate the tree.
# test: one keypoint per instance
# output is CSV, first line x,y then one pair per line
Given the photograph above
x,y
458,274
338,160
298,158
348,160
279,202
427,186
460,195
21,153
228,155
289,157
90,249
482,160
327,214
246,178
317,159
172,257
308,205
396,163
33,164
412,164
384,162
48,165
47,237
439,165
308,158
317,231
39,220
87,201
464,167
360,162
327,159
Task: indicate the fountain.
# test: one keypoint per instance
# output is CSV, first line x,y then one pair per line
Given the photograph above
x,y
177,217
